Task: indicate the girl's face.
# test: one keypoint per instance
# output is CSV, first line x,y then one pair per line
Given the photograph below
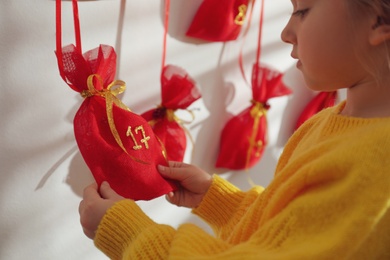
x,y
320,32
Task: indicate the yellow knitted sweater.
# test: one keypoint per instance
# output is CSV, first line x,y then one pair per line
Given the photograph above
x,y
330,199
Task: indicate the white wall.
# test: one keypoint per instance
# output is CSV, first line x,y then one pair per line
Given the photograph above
x,y
42,173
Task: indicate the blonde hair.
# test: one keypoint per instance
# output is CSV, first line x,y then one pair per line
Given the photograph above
x,y
379,9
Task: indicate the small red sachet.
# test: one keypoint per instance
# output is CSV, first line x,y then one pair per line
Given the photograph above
x,y
320,101
117,145
218,21
244,137
178,91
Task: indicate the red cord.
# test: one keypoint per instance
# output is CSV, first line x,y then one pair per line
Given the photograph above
x,y
260,33
258,54
166,24
76,25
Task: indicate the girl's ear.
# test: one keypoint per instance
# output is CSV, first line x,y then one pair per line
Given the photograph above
x,y
380,32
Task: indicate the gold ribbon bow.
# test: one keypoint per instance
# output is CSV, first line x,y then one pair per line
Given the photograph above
x,y
257,111
171,116
113,89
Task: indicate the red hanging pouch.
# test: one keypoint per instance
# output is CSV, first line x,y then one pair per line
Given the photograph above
x,y
244,137
320,101
178,91
218,21
117,145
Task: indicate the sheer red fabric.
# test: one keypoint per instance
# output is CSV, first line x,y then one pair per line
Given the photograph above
x,y
178,91
219,22
129,165
244,137
320,101
117,145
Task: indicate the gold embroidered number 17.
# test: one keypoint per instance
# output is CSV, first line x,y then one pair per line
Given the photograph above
x,y
144,139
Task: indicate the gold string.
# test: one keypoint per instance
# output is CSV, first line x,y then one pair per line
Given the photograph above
x,y
182,122
163,150
172,117
257,111
113,89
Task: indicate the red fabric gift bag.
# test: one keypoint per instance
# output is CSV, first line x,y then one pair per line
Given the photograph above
x,y
218,21
244,137
117,145
178,91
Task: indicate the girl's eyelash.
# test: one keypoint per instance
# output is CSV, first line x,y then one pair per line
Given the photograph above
x,y
300,13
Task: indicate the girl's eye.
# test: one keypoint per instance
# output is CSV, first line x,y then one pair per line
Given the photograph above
x,y
301,13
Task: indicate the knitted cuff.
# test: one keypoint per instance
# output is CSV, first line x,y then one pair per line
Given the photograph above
x,y
220,202
121,225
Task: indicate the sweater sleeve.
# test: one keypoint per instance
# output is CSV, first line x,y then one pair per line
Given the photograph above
x,y
125,232
224,205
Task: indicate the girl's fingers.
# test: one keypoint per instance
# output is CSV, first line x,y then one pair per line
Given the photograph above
x,y
172,172
176,171
175,164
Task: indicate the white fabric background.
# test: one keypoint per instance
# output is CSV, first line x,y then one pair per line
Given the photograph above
x,y
42,173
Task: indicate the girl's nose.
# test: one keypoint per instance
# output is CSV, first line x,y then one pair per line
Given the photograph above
x,y
288,34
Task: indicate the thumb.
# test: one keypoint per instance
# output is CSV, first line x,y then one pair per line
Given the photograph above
x,y
108,193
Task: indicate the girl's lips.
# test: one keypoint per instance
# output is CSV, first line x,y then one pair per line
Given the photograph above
x,y
299,64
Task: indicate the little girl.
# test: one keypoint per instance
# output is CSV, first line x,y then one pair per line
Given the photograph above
x,y
330,198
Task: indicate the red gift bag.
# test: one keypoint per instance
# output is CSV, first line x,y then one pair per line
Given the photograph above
x,y
244,137
320,101
178,91
117,145
219,21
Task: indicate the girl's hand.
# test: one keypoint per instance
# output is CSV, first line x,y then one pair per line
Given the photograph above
x,y
193,183
94,205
